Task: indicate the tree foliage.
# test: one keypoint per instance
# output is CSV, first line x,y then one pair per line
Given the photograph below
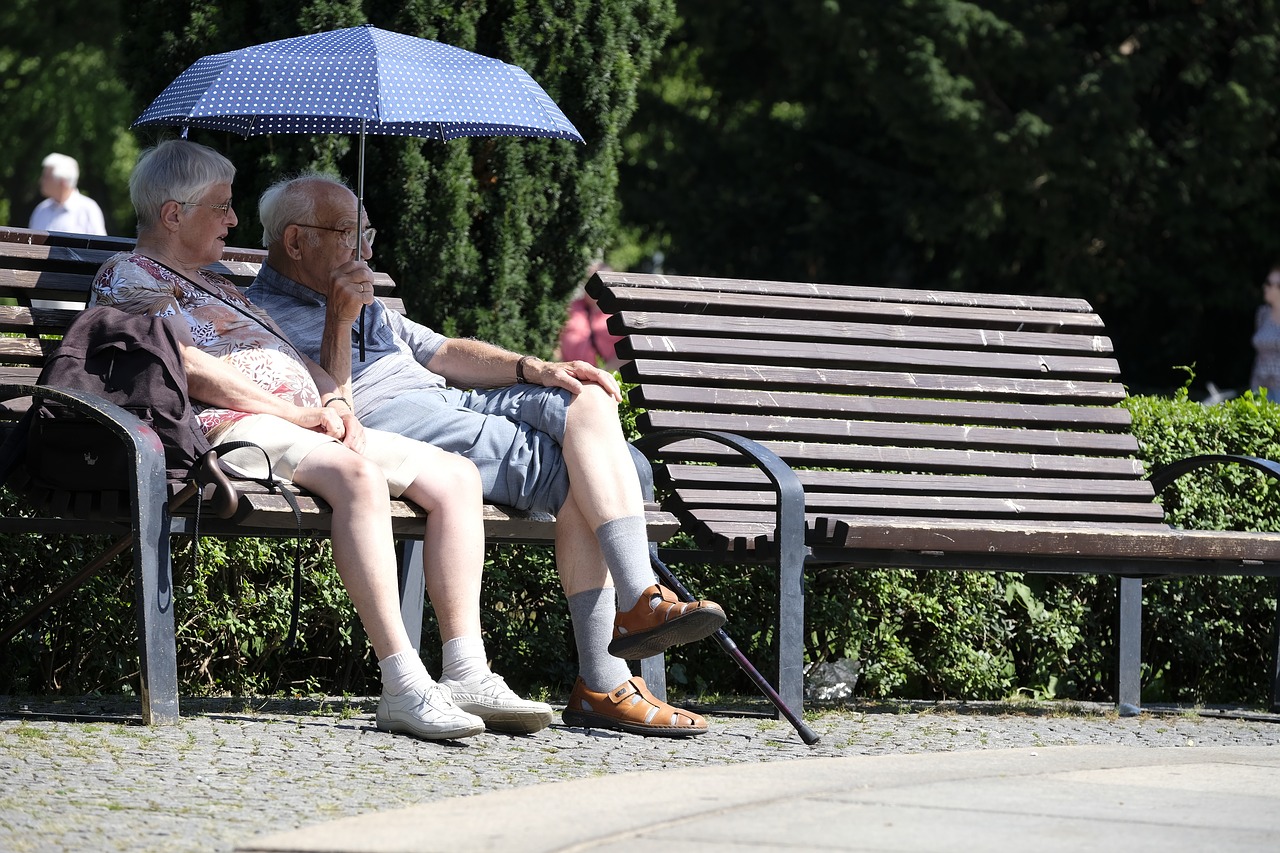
x,y
60,91
1123,152
486,236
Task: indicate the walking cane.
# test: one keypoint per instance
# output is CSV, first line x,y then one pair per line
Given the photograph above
x,y
808,735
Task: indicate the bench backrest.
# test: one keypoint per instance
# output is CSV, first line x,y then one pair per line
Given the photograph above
x,y
49,275
889,403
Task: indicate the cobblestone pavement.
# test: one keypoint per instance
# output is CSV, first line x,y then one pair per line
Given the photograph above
x,y
80,775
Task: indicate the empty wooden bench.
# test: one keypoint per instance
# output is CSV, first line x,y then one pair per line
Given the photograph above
x,y
48,277
929,430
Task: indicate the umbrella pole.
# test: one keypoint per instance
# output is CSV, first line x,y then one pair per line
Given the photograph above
x,y
360,224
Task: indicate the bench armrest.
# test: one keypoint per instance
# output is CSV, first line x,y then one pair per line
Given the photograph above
x,y
1162,477
789,531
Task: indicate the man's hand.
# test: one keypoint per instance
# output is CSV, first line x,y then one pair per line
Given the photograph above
x,y
571,375
354,437
350,288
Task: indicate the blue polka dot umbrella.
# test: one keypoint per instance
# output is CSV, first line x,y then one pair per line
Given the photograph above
x,y
358,80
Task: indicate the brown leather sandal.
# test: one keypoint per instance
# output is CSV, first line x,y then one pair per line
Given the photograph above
x,y
631,708
660,620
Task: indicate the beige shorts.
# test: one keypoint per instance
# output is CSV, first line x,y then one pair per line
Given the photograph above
x,y
401,459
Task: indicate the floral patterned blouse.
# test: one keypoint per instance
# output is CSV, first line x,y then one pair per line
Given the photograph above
x,y
223,323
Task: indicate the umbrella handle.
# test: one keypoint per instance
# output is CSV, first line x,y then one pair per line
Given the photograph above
x,y
360,224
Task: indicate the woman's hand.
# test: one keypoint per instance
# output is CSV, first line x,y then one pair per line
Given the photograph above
x,y
321,419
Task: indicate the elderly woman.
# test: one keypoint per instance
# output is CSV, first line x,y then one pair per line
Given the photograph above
x,y
252,385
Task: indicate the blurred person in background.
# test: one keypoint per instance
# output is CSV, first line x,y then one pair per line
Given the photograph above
x,y
585,335
1266,336
64,207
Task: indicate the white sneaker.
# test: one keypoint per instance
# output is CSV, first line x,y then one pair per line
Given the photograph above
x,y
429,714
491,700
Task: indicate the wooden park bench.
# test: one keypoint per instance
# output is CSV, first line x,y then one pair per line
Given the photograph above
x,y
45,280
929,430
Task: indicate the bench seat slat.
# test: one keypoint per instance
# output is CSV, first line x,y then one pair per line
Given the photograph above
x,y
1083,540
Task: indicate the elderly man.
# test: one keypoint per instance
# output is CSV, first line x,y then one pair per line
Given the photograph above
x,y
545,436
64,207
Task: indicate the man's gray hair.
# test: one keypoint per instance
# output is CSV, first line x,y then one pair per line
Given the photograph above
x,y
175,170
286,203
62,167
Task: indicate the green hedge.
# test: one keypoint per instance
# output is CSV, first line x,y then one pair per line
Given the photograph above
x,y
973,635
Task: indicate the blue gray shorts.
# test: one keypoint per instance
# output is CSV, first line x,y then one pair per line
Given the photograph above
x,y
512,435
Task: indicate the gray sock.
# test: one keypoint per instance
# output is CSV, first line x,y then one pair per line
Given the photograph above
x,y
592,613
625,547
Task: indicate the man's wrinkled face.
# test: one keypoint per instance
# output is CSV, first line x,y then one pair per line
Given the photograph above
x,y
329,242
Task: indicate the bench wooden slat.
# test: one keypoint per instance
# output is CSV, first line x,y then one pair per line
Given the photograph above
x,y
877,483
873,382
736,400
929,436
818,455
796,329
712,304
821,290
818,354
1107,544
835,505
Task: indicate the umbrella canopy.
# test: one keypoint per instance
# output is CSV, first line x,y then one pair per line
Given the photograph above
x,y
358,80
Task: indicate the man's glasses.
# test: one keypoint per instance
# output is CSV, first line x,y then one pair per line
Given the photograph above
x,y
348,234
221,208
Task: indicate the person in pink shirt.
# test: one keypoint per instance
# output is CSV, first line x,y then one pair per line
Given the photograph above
x,y
585,336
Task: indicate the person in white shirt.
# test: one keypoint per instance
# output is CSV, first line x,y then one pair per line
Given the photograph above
x,y
64,207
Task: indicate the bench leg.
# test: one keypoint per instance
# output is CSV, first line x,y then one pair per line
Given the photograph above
x,y
654,672
1275,656
1129,681
791,630
413,590
153,583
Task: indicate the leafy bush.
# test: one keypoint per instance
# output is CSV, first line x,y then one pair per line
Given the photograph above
x,y
974,635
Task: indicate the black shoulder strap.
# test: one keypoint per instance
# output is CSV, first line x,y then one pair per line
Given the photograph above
x,y
206,471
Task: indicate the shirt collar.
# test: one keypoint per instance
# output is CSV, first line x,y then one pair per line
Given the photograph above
x,y
274,281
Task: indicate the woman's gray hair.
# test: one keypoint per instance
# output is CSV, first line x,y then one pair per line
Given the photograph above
x,y
175,170
285,203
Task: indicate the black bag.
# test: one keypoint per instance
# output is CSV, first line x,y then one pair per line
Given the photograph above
x,y
134,361
131,360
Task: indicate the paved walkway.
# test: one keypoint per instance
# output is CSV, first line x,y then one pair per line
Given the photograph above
x,y
316,776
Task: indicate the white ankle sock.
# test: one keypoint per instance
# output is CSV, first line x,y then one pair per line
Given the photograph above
x,y
404,671
464,659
